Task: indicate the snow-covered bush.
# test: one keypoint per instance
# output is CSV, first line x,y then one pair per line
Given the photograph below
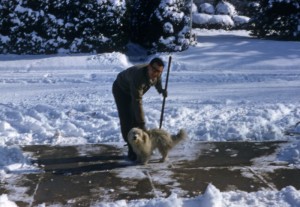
x,y
278,19
194,8
6,9
224,16
4,43
240,21
212,21
26,32
141,29
206,8
201,20
251,9
160,25
221,22
100,27
207,21
174,17
50,26
225,8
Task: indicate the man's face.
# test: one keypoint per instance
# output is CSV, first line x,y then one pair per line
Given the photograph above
x,y
155,71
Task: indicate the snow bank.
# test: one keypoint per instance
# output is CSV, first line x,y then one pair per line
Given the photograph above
x,y
290,153
12,159
212,197
4,201
12,154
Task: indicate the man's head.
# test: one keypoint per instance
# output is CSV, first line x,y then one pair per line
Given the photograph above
x,y
155,68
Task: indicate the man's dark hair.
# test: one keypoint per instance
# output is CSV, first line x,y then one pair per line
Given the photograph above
x,y
158,61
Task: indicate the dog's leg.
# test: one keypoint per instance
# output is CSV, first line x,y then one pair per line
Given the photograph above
x,y
164,158
164,153
145,160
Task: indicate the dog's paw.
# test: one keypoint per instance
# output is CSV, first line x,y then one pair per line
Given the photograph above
x,y
144,161
163,159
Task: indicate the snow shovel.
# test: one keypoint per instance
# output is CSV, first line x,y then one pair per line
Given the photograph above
x,y
164,99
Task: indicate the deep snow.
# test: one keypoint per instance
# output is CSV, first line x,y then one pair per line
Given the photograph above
x,y
228,87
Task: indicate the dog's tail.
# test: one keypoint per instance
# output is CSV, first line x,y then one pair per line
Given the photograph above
x,y
181,135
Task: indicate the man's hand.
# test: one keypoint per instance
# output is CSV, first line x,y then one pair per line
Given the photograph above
x,y
164,93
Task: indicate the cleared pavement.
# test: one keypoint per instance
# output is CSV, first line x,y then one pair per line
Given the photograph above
x,y
84,175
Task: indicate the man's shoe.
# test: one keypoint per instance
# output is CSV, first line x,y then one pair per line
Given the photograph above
x,y
131,155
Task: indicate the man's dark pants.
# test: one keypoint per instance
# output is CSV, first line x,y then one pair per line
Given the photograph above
x,y
123,102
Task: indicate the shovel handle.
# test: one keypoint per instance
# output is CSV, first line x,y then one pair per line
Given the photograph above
x,y
164,99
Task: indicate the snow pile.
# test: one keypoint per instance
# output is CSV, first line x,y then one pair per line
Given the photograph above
x,y
13,154
4,201
290,153
212,197
12,159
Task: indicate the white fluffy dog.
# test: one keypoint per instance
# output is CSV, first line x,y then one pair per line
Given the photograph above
x,y
144,142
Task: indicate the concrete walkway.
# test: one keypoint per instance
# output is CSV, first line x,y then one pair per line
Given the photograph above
x,y
83,175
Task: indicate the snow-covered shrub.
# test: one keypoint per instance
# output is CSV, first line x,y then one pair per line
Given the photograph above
x,y
240,22
160,25
49,26
194,8
225,8
224,16
89,26
111,23
99,27
4,44
175,16
141,29
251,9
207,8
54,30
212,21
278,19
52,26
201,20
221,22
6,9
25,33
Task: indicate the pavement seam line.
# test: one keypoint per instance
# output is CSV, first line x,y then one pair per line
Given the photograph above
x,y
35,190
151,183
270,185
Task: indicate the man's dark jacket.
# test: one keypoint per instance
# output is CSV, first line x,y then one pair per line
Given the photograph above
x,y
135,82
